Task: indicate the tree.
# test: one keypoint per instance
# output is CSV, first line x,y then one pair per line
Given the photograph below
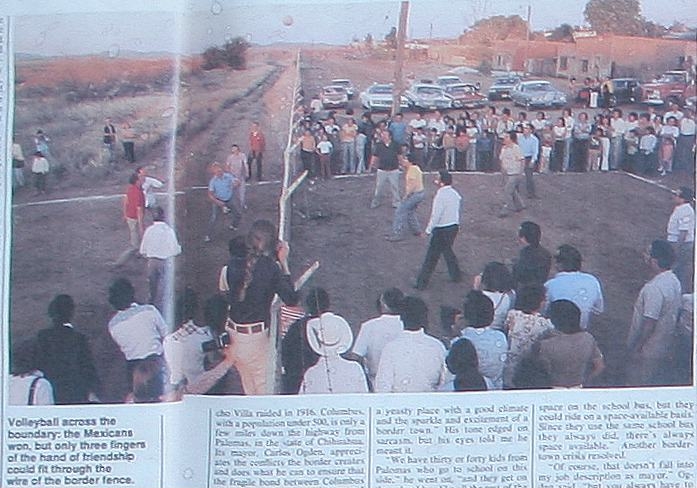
x,y
233,54
563,33
500,27
615,17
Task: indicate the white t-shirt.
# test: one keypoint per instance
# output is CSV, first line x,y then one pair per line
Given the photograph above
x,y
682,219
21,384
324,147
373,337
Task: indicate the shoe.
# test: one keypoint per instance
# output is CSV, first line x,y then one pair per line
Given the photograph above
x,y
374,205
207,239
232,227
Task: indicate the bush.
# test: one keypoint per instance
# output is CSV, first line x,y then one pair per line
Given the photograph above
x,y
232,54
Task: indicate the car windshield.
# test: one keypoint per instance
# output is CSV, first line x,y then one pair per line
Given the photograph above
x,y
341,82
461,90
506,81
333,90
381,89
670,78
429,91
537,87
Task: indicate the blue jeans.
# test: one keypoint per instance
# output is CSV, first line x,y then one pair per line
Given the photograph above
x,y
406,214
348,156
215,209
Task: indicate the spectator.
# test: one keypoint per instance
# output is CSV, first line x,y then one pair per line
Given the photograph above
x,y
324,151
64,356
17,166
236,163
27,384
296,354
138,330
128,140
253,285
490,343
183,348
570,355
462,361
685,147
681,235
257,146
496,283
348,134
571,284
329,336
534,261
40,169
414,361
159,246
652,332
376,333
524,326
529,145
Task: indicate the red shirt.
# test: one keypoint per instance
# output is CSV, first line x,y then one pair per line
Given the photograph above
x,y
256,141
134,200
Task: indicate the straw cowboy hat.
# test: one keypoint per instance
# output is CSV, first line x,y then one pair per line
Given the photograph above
x,y
329,334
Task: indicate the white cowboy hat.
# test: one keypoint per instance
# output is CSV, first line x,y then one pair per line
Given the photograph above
x,y
329,334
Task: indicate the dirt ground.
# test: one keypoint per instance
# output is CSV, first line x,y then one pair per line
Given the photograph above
x,y
69,247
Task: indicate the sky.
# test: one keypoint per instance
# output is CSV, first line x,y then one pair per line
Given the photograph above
x,y
62,27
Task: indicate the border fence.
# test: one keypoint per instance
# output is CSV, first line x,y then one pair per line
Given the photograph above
x,y
290,183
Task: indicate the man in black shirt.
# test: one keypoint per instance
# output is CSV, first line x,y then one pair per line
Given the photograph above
x,y
385,160
534,261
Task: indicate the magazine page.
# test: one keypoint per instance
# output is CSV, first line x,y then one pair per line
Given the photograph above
x,y
165,166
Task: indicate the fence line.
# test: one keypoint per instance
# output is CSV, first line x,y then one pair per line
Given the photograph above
x,y
284,228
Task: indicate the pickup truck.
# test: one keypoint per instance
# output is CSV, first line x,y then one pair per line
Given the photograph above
x,y
668,88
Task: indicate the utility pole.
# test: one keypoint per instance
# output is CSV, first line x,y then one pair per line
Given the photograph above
x,y
526,61
399,61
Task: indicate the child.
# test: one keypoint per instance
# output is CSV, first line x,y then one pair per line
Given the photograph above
x,y
594,150
491,344
324,149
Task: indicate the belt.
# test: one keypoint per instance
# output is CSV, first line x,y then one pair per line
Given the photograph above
x,y
252,328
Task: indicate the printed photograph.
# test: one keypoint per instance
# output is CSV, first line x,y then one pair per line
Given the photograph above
x,y
367,197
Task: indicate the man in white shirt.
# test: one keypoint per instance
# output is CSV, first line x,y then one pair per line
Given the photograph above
x,y
376,333
159,245
148,184
681,235
236,163
414,361
443,227
571,284
651,337
138,330
512,168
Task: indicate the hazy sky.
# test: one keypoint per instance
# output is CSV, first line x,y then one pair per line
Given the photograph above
x,y
58,27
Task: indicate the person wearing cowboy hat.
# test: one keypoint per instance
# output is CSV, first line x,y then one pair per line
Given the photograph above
x,y
329,335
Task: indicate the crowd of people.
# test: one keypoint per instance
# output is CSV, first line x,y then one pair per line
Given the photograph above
x,y
581,140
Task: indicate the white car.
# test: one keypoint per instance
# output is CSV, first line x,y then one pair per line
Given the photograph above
x,y
424,96
378,97
446,80
348,86
334,96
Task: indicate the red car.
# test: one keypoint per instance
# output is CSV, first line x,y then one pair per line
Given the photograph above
x,y
465,95
668,88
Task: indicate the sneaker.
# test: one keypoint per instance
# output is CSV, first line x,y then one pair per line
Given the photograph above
x,y
207,239
232,227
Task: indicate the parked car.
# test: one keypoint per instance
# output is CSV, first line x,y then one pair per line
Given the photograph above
x,y
423,96
347,84
668,88
466,95
334,96
502,87
447,80
537,93
378,97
